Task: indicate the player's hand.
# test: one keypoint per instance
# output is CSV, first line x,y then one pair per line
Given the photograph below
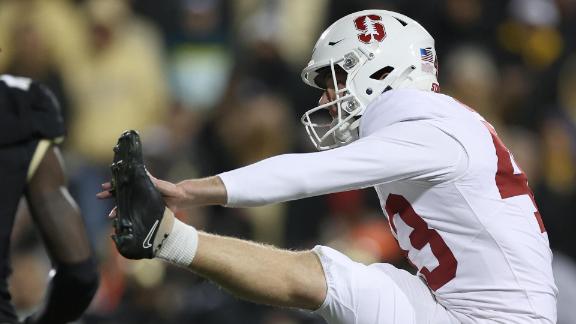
x,y
172,194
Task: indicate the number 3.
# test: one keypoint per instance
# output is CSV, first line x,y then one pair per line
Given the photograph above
x,y
419,237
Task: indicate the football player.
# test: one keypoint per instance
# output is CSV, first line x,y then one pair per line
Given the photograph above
x,y
30,166
455,198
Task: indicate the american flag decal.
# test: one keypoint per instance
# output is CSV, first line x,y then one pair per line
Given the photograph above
x,y
427,55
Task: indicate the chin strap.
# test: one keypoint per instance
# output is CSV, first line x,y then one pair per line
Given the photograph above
x,y
350,133
355,123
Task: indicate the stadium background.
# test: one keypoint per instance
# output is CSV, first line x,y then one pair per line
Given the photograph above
x,y
214,84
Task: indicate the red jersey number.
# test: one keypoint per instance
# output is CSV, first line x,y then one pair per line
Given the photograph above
x,y
419,237
511,183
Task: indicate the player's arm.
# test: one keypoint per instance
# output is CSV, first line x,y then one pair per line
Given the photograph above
x,y
63,231
185,194
409,150
413,150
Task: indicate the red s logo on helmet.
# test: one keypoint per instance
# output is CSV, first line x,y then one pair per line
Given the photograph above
x,y
372,30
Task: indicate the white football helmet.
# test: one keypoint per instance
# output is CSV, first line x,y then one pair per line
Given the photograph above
x,y
379,50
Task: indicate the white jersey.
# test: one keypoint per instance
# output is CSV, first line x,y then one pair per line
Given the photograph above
x,y
455,199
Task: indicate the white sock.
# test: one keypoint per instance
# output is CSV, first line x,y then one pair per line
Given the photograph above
x,y
180,246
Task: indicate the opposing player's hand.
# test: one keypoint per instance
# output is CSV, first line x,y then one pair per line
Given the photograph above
x,y
106,191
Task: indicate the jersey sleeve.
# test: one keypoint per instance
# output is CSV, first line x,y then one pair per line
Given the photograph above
x,y
28,111
413,150
47,121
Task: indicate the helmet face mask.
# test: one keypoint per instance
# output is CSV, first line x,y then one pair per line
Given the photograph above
x,y
379,50
336,132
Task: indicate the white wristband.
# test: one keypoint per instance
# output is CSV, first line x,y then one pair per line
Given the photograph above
x,y
180,246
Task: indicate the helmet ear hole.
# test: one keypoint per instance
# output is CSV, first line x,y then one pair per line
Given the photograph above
x,y
382,73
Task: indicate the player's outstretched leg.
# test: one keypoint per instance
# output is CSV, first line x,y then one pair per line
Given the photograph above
x,y
256,272
323,280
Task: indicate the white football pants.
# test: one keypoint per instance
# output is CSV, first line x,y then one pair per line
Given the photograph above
x,y
375,294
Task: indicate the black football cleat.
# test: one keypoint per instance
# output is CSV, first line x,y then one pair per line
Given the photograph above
x,y
142,221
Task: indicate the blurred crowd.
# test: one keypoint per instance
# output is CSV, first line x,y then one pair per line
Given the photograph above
x,y
215,84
